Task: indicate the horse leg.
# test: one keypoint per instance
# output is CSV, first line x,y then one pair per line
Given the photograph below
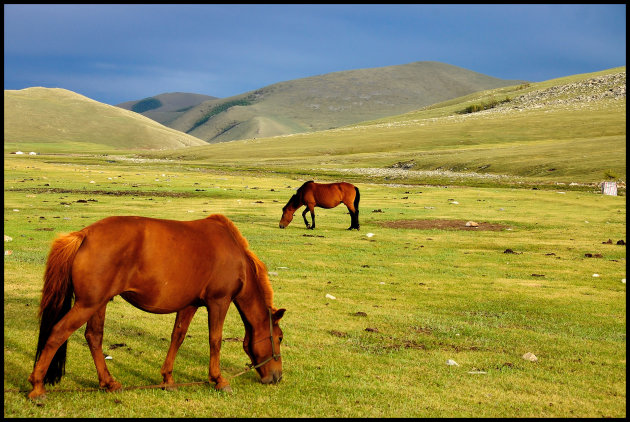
x,y
94,337
308,226
310,208
217,309
354,217
72,321
182,321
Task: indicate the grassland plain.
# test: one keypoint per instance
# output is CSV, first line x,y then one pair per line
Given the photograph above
x,y
406,300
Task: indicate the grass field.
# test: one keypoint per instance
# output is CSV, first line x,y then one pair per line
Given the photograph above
x,y
406,300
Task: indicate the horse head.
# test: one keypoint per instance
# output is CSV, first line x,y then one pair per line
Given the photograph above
x,y
262,345
287,212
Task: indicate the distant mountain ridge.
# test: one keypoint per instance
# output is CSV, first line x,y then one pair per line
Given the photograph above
x,y
164,108
327,101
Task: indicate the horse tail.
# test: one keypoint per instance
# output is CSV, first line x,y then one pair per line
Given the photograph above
x,y
357,197
57,297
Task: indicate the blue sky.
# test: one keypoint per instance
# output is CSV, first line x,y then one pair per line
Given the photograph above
x,y
116,53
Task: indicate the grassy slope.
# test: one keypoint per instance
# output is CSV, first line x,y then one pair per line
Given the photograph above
x,y
526,143
47,119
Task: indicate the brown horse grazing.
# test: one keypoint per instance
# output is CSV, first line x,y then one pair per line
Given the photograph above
x,y
159,266
324,195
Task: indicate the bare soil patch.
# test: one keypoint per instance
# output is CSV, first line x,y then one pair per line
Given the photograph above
x,y
441,225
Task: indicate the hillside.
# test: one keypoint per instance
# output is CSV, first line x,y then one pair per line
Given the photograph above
x,y
165,108
52,117
331,100
569,130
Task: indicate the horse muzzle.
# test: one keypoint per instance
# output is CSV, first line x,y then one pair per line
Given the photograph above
x,y
281,226
272,378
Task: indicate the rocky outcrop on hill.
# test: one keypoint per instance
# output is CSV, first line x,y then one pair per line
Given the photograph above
x,y
612,86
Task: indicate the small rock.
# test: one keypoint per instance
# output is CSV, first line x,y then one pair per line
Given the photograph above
x,y
272,273
330,296
372,330
369,234
451,362
530,357
595,275
7,238
472,224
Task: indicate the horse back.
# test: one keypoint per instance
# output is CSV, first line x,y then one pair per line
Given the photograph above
x,y
329,195
159,265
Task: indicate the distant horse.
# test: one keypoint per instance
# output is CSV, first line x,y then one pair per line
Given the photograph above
x,y
324,195
159,266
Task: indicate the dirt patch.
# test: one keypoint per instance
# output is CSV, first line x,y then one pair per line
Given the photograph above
x,y
441,225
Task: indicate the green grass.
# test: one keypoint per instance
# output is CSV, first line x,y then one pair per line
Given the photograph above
x,y
432,295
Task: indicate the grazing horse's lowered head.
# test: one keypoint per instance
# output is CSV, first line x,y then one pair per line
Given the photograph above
x,y
288,210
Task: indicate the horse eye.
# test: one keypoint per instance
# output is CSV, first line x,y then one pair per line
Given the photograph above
x,y
279,339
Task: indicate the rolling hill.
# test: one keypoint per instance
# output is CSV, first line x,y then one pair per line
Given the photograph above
x,y
52,118
165,108
329,101
569,130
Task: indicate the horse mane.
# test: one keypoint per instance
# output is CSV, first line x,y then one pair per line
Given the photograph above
x,y
296,200
258,267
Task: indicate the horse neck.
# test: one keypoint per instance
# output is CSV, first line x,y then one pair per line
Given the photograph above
x,y
251,302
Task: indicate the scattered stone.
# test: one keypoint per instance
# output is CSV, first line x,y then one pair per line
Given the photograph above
x,y
530,357
451,362
330,296
472,224
369,234
595,275
372,330
361,314
7,238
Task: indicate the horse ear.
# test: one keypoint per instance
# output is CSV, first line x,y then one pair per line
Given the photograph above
x,y
278,314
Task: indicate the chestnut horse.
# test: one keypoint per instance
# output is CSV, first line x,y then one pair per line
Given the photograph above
x,y
324,195
159,266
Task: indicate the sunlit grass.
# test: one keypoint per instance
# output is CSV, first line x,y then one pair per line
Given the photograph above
x,y
426,296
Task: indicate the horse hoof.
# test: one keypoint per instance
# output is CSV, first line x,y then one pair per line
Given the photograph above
x,y
113,386
37,397
224,389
